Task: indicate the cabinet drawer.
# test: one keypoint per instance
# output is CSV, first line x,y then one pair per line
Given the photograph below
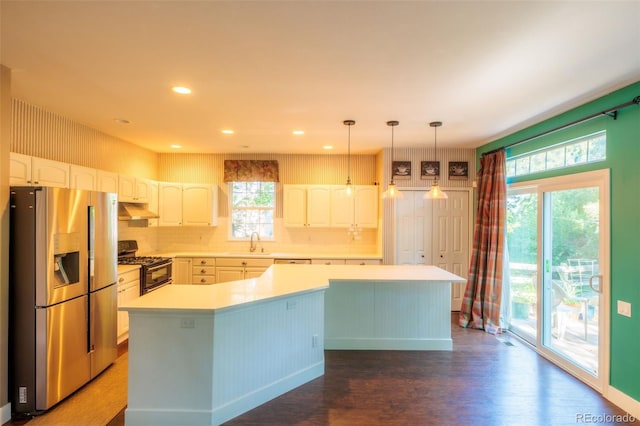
x,y
129,276
363,262
203,279
327,261
242,261
203,270
204,261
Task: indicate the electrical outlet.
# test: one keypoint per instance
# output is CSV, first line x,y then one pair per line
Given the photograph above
x,y
22,395
187,323
291,304
314,341
624,308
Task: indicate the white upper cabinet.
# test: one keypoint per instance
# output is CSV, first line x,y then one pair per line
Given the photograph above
x,y
19,169
170,204
361,209
27,170
187,204
307,205
83,177
199,205
154,204
135,190
107,181
366,206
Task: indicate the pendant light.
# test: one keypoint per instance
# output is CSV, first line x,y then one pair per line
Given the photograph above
x,y
349,188
435,192
392,190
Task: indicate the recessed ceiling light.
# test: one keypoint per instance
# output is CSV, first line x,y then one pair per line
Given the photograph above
x,y
121,121
327,147
298,132
176,146
181,90
227,131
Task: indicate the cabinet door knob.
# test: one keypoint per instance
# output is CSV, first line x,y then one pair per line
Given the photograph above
x,y
202,280
203,262
202,271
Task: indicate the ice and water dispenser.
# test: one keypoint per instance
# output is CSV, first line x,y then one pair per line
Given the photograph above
x,y
66,259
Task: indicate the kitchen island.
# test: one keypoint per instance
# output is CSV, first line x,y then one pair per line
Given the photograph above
x,y
202,355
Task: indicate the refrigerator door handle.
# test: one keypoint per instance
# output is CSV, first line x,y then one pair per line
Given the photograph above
x,y
91,215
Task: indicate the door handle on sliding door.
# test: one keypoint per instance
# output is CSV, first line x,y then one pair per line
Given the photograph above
x,y
597,290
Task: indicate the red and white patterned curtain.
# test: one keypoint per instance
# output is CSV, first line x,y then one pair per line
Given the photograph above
x,y
483,295
251,171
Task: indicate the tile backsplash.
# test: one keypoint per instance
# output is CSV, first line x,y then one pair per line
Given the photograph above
x,y
215,239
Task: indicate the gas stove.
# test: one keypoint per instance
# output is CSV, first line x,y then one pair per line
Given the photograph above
x,y
142,260
155,271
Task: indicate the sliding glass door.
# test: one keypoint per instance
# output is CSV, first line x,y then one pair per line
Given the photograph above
x,y
566,282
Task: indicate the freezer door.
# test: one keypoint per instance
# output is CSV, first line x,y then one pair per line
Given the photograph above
x,y
62,360
60,248
103,335
103,240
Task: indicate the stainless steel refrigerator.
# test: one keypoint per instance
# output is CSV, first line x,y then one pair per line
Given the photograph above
x,y
63,295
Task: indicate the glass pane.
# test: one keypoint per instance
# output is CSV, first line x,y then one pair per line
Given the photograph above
x,y
511,168
266,230
572,252
598,148
577,153
522,166
555,158
538,162
522,246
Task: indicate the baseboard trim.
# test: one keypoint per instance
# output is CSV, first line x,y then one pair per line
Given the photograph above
x,y
624,401
5,413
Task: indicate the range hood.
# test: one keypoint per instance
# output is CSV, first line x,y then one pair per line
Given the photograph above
x,y
133,211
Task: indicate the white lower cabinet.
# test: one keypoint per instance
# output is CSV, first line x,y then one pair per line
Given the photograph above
x,y
363,261
236,268
203,270
181,270
327,261
128,290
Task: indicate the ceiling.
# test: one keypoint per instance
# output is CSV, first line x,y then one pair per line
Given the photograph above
x,y
266,68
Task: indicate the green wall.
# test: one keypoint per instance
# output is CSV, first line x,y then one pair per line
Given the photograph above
x,y
623,159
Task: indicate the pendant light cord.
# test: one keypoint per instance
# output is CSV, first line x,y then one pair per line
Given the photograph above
x,y
349,123
393,124
435,125
349,156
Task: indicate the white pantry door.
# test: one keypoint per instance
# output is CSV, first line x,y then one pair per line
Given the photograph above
x,y
435,232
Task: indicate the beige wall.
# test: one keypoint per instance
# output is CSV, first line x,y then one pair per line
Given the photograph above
x,y
5,134
41,133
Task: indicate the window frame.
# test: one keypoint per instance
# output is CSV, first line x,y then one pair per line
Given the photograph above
x,y
230,234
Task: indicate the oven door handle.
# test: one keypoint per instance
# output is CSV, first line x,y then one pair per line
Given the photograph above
x,y
155,268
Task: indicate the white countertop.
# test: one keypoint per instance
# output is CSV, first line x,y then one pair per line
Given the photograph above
x,y
278,281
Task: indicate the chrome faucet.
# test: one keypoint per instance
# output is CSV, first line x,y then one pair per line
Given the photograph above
x,y
253,243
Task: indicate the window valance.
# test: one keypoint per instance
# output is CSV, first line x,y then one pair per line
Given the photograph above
x,y
251,171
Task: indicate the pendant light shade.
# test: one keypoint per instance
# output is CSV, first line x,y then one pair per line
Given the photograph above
x,y
349,189
435,192
392,190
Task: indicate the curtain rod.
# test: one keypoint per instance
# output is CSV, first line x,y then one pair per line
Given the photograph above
x,y
611,112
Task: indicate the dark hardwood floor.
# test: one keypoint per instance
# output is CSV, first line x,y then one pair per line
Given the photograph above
x,y
485,380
